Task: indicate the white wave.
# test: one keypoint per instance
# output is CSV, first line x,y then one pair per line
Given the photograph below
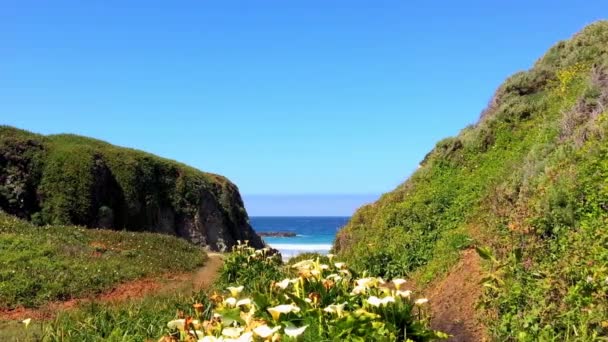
x,y
301,247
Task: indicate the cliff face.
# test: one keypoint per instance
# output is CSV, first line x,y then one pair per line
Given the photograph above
x,y
529,180
68,179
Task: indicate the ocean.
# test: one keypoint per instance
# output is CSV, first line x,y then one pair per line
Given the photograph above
x,y
313,234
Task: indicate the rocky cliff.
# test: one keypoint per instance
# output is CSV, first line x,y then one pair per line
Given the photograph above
x,y
69,179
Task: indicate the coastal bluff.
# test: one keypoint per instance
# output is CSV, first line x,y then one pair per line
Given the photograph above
x,y
68,179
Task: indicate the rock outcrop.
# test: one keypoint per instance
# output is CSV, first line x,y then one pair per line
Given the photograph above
x,y
69,179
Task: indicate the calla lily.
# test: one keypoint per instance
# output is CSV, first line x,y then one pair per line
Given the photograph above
x,y
176,324
283,283
388,299
334,276
27,321
421,301
230,301
210,339
404,294
294,331
303,264
365,282
282,309
324,267
264,331
358,290
234,291
339,265
245,301
330,256
335,308
375,301
246,337
232,332
399,282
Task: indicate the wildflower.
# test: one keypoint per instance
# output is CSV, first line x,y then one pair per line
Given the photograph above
x,y
282,309
398,283
295,332
232,332
27,321
231,301
245,301
421,301
264,331
234,291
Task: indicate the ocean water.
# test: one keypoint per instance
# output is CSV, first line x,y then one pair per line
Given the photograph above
x,y
313,234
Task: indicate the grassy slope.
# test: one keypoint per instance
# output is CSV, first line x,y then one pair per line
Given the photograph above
x,y
41,264
530,180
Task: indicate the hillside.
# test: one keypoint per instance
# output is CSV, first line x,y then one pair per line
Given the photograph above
x,y
68,179
528,185
57,263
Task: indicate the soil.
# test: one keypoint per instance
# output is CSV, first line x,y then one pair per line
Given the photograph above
x,y
166,283
453,300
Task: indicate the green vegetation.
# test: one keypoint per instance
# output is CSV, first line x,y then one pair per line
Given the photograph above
x,y
326,302
306,301
48,263
69,179
529,180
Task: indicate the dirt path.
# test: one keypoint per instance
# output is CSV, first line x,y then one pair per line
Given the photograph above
x,y
453,300
162,284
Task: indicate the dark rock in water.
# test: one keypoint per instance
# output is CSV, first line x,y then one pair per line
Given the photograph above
x,y
277,234
69,179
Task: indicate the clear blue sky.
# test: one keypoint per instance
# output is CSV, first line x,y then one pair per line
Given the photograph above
x,y
282,97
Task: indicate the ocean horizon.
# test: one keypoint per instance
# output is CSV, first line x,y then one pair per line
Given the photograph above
x,y
312,233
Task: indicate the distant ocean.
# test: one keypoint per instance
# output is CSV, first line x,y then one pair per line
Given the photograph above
x,y
313,234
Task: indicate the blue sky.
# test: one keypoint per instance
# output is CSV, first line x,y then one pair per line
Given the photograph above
x,y
283,97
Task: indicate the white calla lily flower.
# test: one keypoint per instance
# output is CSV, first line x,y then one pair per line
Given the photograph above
x,y
235,290
264,331
282,309
230,301
421,301
294,331
232,332
244,301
